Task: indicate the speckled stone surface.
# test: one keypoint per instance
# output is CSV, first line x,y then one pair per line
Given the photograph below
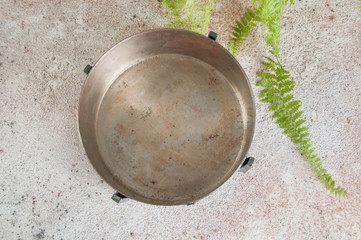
x,y
49,190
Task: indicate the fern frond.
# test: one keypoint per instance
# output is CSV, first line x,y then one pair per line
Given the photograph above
x,y
242,31
287,112
190,15
269,13
187,14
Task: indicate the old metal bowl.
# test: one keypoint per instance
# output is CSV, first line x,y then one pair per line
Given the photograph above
x,y
166,116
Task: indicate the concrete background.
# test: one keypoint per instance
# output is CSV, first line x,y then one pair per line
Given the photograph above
x,y
49,190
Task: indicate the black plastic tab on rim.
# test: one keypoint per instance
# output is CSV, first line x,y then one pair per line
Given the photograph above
x,y
87,69
214,36
246,165
117,197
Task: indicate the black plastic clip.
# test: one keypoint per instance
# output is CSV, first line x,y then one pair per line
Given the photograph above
x,y
118,197
191,203
246,165
214,36
87,69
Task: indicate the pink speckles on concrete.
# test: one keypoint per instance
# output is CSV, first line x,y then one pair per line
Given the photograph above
x,y
49,190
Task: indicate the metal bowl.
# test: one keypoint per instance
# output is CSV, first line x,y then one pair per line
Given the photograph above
x,y
166,116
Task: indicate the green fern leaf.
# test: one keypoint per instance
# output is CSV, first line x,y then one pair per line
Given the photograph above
x,y
296,141
305,134
235,34
270,59
268,65
287,98
239,24
292,104
267,75
248,16
250,12
280,70
323,179
311,151
281,78
276,107
295,135
306,140
245,26
271,99
251,25
237,30
287,83
318,165
267,83
299,122
285,125
268,92
307,145
244,21
321,172
282,120
296,116
295,109
289,131
287,89
311,161
279,114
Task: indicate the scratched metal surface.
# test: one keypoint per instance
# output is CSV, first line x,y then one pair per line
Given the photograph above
x,y
173,114
170,128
